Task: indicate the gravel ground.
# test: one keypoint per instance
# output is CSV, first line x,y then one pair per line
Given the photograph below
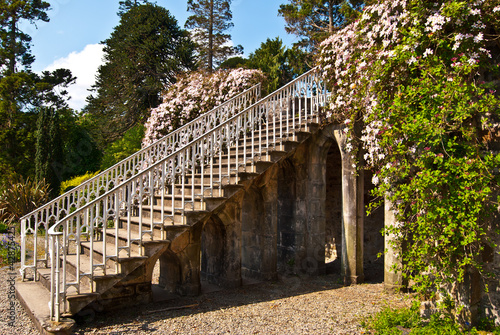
x,y
292,305
10,306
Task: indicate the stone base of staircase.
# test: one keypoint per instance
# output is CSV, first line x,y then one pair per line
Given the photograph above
x,y
35,300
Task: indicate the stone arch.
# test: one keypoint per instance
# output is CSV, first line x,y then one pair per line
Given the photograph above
x,y
258,228
170,271
333,206
213,240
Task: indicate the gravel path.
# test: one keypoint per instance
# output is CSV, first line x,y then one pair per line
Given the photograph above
x,y
292,305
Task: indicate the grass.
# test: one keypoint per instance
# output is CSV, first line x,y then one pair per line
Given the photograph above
x,y
408,321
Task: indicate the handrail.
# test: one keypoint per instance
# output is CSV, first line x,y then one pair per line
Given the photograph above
x,y
113,176
236,143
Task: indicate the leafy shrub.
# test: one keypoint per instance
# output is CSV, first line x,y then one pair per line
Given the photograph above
x,y
20,197
123,147
391,321
4,228
76,181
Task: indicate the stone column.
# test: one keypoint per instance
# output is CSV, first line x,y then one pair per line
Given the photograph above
x,y
392,280
352,212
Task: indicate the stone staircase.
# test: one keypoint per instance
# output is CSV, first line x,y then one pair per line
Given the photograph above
x,y
103,239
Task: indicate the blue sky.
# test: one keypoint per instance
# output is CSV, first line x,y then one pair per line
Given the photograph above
x,y
71,38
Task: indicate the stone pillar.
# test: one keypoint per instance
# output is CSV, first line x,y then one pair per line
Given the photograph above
x,y
352,213
393,280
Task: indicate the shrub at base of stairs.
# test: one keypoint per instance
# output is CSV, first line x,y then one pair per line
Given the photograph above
x,y
409,321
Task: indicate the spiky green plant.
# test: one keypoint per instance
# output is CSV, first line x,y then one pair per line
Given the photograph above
x,y
19,197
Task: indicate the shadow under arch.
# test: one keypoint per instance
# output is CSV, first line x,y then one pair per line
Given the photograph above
x,y
213,252
333,209
170,271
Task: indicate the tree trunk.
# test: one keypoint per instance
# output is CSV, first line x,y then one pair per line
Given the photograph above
x,y
211,38
330,17
12,57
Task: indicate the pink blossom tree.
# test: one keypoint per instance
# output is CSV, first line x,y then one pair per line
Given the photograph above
x,y
194,94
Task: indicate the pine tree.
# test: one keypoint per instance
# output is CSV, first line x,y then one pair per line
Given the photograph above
x,y
144,54
209,22
126,5
18,86
15,44
314,20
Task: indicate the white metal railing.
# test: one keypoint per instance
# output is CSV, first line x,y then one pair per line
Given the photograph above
x,y
179,182
42,218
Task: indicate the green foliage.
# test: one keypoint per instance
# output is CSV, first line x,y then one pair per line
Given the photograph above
x,y
81,153
20,197
143,55
313,20
4,228
126,5
76,181
277,62
22,92
408,321
48,149
209,23
388,320
426,98
233,63
15,43
124,147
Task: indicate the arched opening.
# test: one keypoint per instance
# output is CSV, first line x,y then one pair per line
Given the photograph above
x,y
251,235
333,209
213,256
166,276
373,239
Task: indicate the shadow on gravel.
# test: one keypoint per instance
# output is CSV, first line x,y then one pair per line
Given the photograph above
x,y
216,298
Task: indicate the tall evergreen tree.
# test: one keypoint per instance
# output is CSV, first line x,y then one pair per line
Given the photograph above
x,y
126,5
144,54
314,20
209,23
15,44
279,63
49,150
22,92
15,56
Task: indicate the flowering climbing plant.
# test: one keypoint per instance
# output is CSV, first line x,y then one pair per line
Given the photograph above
x,y
196,93
420,78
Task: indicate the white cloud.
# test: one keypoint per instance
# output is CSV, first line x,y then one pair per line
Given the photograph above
x,y
83,66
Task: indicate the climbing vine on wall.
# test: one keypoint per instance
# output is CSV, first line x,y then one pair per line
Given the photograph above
x,y
421,78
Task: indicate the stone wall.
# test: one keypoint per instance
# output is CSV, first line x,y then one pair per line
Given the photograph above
x,y
291,219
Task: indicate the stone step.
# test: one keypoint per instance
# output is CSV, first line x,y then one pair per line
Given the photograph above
x,y
35,299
